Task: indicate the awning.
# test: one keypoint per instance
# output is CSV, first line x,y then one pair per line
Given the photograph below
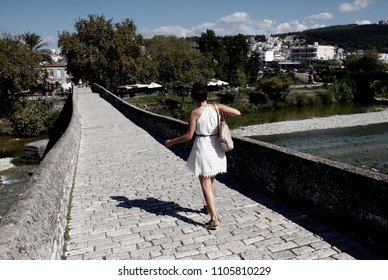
x,y
139,85
154,85
215,82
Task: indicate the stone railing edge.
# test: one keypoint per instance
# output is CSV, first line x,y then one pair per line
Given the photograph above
x,y
34,226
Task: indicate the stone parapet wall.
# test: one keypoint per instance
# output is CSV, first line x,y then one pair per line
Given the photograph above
x,y
348,198
34,226
351,199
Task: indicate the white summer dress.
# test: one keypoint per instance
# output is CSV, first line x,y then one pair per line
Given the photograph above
x,y
206,157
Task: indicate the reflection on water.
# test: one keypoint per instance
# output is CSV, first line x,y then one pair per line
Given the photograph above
x,y
360,146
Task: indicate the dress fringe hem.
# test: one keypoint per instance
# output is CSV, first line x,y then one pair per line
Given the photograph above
x,y
210,175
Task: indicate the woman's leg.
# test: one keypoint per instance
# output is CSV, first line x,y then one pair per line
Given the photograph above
x,y
213,181
207,184
213,186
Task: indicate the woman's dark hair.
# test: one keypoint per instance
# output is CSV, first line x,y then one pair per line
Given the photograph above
x,y
199,92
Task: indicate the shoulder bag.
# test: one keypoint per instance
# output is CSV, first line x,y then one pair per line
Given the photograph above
x,y
224,134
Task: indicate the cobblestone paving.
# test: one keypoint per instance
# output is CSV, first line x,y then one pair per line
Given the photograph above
x,y
134,199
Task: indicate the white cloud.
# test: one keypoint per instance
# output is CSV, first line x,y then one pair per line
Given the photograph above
x,y
363,22
180,31
238,23
237,17
169,30
292,26
321,16
241,22
356,5
204,26
50,41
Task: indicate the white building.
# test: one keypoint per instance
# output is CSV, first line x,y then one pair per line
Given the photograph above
x,y
267,56
55,76
312,53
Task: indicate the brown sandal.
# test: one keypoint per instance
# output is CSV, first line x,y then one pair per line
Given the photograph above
x,y
212,225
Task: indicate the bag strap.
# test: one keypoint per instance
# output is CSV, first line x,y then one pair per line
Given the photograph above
x,y
220,115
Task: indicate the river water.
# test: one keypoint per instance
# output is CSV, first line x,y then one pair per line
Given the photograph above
x,y
361,146
14,169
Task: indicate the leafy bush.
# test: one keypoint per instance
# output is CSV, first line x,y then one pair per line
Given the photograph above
x,y
32,118
326,97
298,100
227,98
276,87
258,98
342,91
302,100
27,120
51,117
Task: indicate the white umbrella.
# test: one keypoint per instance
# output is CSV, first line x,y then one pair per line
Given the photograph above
x,y
222,83
215,82
139,85
154,85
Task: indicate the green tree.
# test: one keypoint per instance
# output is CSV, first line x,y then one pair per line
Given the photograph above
x,y
105,53
36,43
19,68
176,62
237,48
212,46
253,68
369,62
27,119
342,91
276,87
229,57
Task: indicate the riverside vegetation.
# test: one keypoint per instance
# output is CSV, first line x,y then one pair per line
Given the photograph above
x,y
22,123
274,95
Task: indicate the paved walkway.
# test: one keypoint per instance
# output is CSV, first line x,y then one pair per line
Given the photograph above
x,y
134,199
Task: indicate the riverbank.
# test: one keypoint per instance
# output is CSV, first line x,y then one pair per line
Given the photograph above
x,y
338,121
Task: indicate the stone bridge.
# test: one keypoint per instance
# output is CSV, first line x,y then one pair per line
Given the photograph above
x,y
108,189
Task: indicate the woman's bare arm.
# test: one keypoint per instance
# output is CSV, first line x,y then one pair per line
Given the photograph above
x,y
189,133
229,111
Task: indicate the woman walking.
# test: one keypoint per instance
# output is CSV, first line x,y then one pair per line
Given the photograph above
x,y
206,158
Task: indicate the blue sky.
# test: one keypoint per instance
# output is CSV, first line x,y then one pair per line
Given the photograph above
x,y
188,17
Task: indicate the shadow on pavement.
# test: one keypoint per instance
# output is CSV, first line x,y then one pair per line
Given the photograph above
x,y
158,207
342,240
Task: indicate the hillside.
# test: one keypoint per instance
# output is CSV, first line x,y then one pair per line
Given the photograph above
x,y
351,37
